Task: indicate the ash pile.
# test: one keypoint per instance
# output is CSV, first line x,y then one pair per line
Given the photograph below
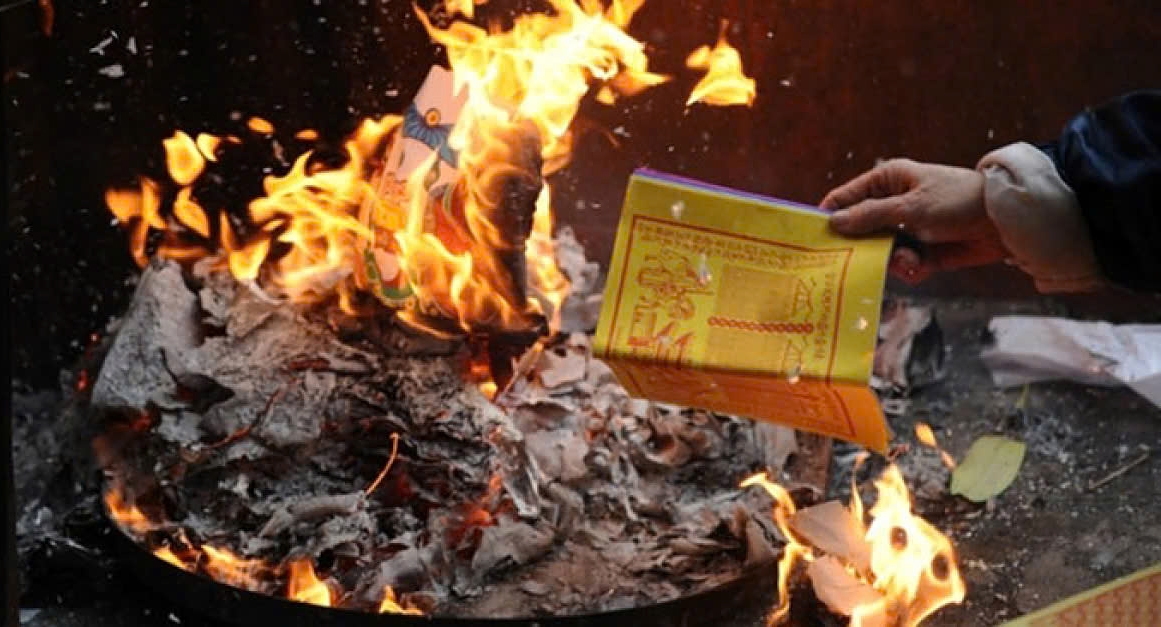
x,y
247,440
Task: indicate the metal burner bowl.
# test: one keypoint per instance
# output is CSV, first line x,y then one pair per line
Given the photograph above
x,y
236,606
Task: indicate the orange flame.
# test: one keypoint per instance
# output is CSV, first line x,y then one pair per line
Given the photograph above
x,y
793,552
542,68
724,83
467,8
305,238
391,605
260,125
304,586
183,158
926,436
208,146
536,73
224,566
167,555
126,515
913,565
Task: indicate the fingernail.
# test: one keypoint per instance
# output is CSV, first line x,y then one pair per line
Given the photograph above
x,y
840,217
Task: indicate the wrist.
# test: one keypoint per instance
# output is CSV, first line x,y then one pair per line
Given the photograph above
x,y
1038,219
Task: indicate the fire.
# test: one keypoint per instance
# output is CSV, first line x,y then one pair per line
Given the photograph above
x,y
304,586
260,125
912,565
308,236
467,8
523,87
926,436
391,605
794,550
224,566
167,555
301,240
488,267
183,158
127,515
724,82
307,213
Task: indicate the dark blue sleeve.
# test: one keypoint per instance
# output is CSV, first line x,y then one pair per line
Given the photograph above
x,y
1111,158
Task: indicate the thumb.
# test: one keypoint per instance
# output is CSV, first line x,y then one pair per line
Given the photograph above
x,y
870,216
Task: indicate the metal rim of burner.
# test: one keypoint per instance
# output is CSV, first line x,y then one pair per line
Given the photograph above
x,y
236,606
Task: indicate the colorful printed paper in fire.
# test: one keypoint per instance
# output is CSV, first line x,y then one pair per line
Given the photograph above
x,y
425,132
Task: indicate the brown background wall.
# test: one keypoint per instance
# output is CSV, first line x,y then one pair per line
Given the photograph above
x,y
841,84
943,81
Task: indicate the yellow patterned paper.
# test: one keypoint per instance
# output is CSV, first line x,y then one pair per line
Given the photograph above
x,y
1131,601
744,304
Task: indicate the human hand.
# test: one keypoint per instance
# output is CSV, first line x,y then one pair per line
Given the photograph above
x,y
940,206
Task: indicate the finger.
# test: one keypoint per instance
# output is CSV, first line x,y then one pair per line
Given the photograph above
x,y
857,189
890,178
871,215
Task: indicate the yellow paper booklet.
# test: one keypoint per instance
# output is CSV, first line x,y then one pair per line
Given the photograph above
x,y
742,304
1132,600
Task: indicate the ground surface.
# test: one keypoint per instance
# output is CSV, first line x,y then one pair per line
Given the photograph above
x,y
1047,537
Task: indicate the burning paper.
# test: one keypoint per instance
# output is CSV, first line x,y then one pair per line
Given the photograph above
x,y
422,140
744,305
896,570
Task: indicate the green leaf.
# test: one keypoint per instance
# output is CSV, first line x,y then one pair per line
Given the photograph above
x,y
989,468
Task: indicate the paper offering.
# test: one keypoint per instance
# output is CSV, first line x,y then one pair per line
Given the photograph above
x,y
743,304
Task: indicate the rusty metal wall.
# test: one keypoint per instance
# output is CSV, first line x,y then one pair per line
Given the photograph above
x,y
841,84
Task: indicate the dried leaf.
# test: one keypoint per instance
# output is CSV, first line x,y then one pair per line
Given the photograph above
x,y
989,468
837,588
831,528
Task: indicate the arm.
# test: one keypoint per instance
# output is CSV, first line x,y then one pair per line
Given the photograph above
x,y
1111,159
1086,208
1075,214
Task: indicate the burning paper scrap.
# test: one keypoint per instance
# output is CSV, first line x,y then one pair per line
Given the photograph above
x,y
831,528
1131,600
897,570
746,305
990,466
838,589
1028,349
